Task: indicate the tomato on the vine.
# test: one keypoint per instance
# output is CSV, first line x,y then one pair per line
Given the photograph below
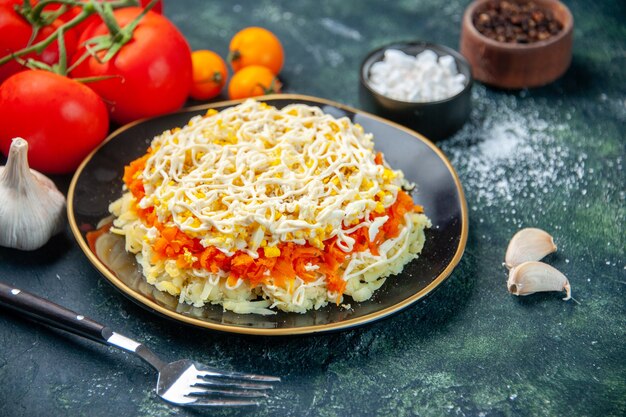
x,y
70,14
61,119
158,8
252,81
51,54
209,74
15,33
14,3
74,11
256,46
150,75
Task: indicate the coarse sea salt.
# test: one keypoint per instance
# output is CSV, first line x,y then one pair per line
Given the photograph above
x,y
421,78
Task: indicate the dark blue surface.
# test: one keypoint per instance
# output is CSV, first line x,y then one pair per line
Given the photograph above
x,y
550,157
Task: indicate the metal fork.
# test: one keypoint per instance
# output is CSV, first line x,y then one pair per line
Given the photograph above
x,y
182,382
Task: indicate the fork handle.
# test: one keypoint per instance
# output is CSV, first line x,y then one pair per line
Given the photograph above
x,y
47,312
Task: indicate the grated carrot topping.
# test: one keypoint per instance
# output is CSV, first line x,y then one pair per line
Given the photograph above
x,y
172,243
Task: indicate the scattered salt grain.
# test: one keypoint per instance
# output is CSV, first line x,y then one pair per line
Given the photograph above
x,y
421,78
509,155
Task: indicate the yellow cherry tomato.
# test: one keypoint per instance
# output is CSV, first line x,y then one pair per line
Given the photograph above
x,y
252,81
256,46
209,74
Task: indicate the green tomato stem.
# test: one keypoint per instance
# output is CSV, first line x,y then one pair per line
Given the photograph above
x,y
79,61
106,14
41,45
87,10
38,8
62,65
35,12
86,80
118,37
49,17
233,56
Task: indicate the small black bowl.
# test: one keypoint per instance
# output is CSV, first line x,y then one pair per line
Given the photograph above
x,y
434,119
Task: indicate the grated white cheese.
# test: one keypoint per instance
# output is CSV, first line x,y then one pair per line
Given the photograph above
x,y
253,176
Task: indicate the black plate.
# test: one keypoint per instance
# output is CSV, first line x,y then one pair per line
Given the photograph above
x,y
98,182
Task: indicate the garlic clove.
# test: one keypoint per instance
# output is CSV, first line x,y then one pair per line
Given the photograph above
x,y
32,209
530,244
531,277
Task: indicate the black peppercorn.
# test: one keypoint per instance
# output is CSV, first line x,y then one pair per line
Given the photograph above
x,y
516,21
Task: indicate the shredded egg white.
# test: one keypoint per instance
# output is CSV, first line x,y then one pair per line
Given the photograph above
x,y
252,177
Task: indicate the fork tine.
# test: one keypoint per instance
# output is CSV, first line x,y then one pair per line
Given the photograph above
x,y
203,390
212,402
238,375
253,385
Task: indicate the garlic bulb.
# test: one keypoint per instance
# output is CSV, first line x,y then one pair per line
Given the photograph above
x,y
528,244
32,208
532,277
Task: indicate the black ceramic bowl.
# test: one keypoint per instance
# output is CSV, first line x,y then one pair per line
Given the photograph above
x,y
434,119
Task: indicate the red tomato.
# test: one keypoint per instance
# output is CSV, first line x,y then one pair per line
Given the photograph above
x,y
15,32
158,8
14,35
13,3
151,73
61,119
50,55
